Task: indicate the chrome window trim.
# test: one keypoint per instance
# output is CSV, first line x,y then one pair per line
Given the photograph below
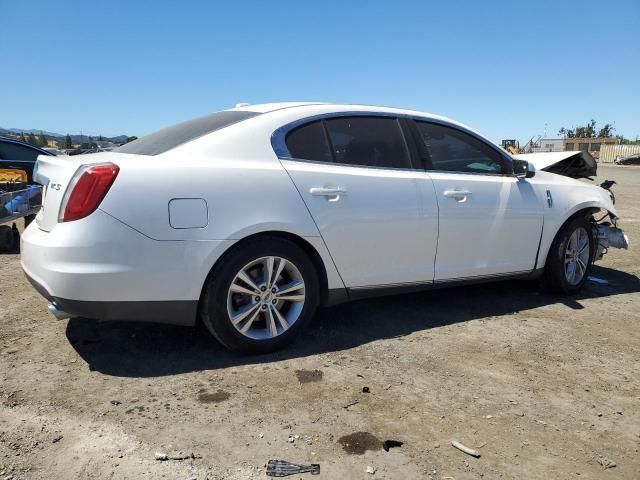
x,y
279,136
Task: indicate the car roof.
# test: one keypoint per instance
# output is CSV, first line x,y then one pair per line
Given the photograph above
x,y
311,107
338,107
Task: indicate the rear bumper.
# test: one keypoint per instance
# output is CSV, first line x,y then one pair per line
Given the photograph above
x,y
100,268
174,312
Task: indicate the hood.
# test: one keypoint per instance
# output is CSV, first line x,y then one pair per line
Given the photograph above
x,y
575,164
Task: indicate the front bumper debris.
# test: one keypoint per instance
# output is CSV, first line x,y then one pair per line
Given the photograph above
x,y
607,236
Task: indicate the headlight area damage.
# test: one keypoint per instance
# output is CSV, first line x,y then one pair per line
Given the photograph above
x,y
606,234
579,164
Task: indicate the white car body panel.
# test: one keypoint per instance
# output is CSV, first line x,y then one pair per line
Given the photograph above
x,y
390,227
568,197
503,216
385,219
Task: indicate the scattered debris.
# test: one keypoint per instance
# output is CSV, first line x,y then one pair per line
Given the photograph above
x,y
371,470
163,457
282,468
291,439
387,444
359,442
605,461
387,387
308,376
598,280
191,477
57,439
467,450
481,445
115,402
350,403
366,390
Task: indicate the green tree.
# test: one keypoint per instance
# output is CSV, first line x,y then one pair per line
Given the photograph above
x,y
567,133
31,139
22,137
606,131
67,141
587,131
131,138
42,140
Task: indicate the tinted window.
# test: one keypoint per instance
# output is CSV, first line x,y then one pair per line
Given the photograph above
x,y
309,142
368,141
454,151
13,151
171,137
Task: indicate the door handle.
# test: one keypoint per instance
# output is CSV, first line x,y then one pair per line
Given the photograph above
x,y
326,192
459,195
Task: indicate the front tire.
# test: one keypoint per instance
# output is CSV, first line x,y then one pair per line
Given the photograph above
x,y
570,257
260,295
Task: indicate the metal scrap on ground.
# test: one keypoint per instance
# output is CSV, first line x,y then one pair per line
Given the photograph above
x,y
465,449
282,468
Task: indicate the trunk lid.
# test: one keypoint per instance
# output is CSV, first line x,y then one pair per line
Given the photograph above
x,y
55,174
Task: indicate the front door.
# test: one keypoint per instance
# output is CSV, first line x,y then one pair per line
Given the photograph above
x,y
376,213
490,222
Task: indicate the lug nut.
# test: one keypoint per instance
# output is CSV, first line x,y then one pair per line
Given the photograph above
x,y
256,298
273,290
264,306
274,301
263,289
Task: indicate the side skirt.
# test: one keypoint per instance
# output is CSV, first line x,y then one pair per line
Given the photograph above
x,y
338,296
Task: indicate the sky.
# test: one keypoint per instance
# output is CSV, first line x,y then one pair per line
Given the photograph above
x,y
509,69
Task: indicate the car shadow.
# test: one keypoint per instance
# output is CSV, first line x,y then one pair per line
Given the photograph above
x,y
130,349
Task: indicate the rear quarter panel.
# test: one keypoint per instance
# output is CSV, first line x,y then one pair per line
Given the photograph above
x,y
245,187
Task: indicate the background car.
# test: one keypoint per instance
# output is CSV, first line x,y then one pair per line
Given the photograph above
x,y
252,217
20,155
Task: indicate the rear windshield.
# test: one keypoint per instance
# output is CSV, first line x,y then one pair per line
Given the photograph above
x,y
171,137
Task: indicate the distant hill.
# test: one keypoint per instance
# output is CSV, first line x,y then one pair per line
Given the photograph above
x,y
76,139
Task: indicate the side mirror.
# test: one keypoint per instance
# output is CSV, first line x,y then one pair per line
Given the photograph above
x,y
523,169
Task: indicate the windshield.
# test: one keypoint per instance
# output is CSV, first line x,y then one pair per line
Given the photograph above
x,y
171,137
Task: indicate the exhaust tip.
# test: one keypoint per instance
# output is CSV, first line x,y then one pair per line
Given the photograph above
x,y
56,312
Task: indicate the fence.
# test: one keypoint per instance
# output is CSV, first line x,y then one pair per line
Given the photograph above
x,y
609,153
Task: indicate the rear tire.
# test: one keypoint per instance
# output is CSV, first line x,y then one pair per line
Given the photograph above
x,y
244,304
570,257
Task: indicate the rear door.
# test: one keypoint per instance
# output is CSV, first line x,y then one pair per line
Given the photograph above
x,y
490,222
375,211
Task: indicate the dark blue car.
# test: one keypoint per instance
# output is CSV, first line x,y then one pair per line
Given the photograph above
x,y
20,155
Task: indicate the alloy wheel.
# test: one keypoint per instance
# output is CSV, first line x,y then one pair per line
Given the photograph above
x,y
266,297
576,256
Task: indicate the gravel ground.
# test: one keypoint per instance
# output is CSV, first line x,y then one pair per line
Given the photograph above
x,y
543,386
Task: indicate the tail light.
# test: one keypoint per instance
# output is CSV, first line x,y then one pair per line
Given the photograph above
x,y
88,188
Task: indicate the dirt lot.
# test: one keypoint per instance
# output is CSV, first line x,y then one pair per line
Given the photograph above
x,y
543,386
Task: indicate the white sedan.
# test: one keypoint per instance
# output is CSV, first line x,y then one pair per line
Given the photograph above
x,y
251,218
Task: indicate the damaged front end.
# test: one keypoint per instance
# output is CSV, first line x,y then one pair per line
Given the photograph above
x,y
607,234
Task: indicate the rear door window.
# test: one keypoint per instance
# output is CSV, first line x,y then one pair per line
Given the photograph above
x,y
368,141
452,150
309,142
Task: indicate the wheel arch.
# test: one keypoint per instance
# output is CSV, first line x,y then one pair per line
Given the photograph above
x,y
324,271
586,210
